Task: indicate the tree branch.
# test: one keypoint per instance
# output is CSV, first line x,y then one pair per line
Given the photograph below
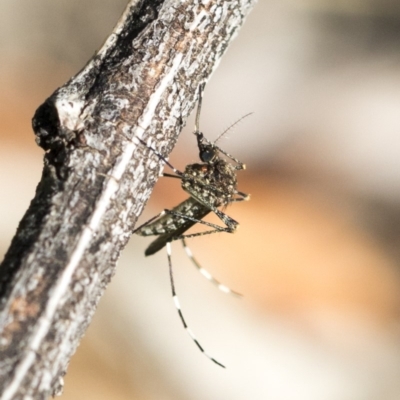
x,y
97,177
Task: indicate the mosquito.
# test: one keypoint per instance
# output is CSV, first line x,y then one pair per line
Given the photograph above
x,y
212,185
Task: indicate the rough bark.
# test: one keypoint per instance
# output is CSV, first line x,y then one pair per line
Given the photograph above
x,y
97,177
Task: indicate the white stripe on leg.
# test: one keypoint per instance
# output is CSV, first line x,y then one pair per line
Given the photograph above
x,y
178,308
206,274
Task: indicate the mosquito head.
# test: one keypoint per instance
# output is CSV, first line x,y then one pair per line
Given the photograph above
x,y
207,151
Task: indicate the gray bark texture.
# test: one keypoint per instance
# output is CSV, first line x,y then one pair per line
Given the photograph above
x,y
97,177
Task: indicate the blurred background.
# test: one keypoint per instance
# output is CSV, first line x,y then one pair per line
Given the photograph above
x,y
317,254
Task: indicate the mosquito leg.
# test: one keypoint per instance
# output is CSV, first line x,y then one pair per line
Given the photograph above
x,y
206,274
238,200
240,164
144,232
244,197
178,308
230,223
191,235
171,176
161,157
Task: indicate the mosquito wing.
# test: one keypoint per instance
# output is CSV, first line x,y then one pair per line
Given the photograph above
x,y
173,223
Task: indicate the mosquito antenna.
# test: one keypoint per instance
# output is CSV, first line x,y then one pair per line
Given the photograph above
x,y
197,123
231,126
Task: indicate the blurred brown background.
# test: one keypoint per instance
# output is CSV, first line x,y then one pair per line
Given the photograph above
x,y
317,254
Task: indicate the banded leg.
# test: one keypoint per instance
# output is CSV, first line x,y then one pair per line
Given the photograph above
x,y
178,308
206,274
230,223
239,165
148,222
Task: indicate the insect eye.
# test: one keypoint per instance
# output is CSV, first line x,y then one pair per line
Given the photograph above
x,y
207,155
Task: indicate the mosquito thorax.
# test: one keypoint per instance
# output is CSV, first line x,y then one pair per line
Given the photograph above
x,y
210,184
